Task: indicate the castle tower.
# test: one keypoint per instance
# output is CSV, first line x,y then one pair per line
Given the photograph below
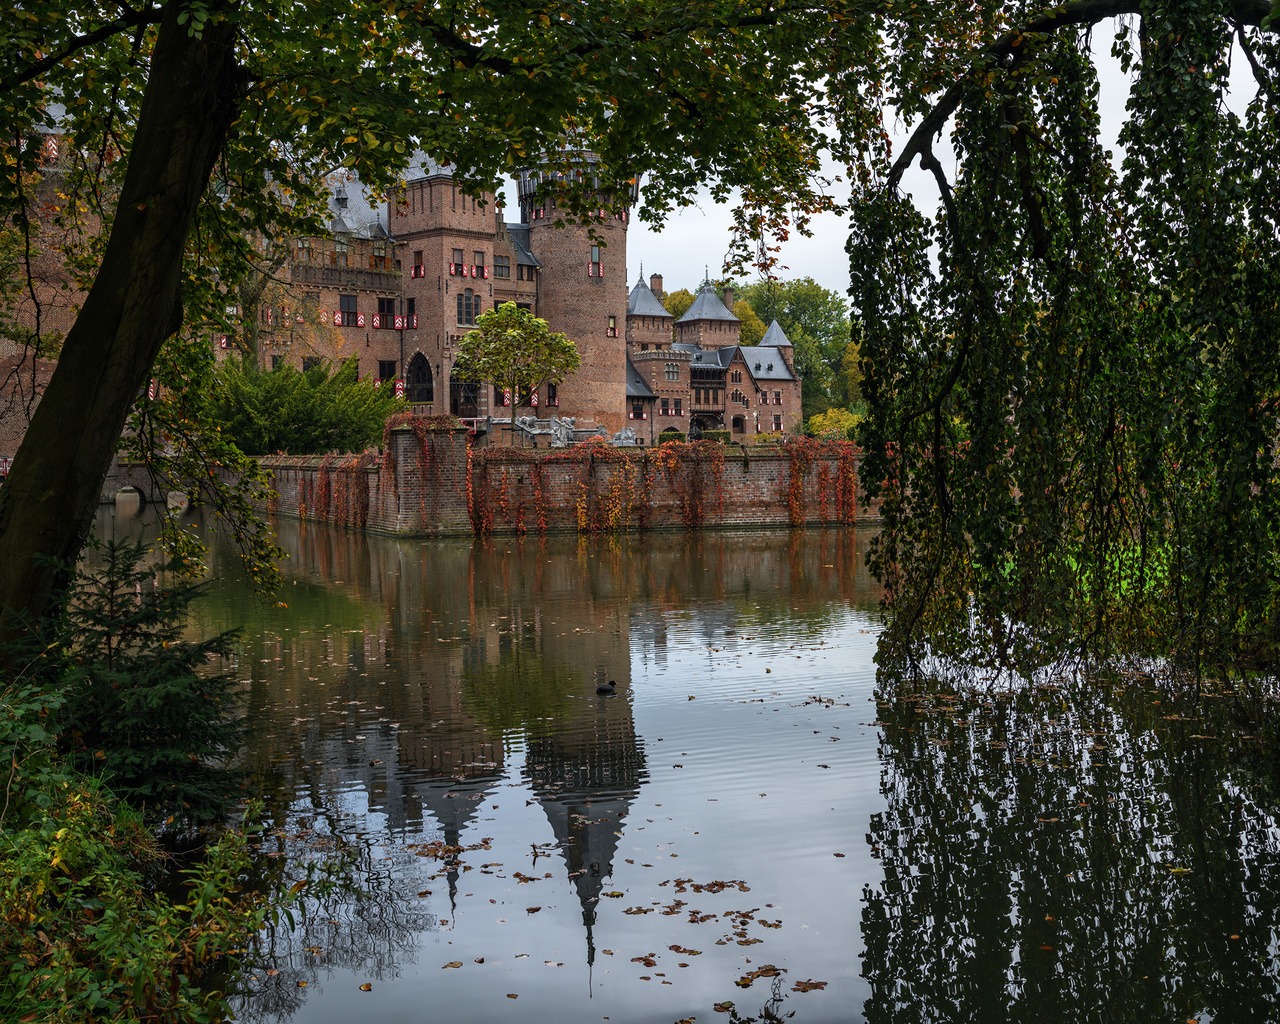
x,y
582,291
708,323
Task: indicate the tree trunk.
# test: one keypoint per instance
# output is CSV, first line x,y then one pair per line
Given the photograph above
x,y
47,504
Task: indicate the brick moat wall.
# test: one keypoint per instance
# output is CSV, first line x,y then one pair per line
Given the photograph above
x,y
428,482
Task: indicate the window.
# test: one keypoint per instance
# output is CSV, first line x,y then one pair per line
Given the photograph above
x,y
501,396
479,259
673,371
386,314
777,424
310,362
593,268
664,407
528,397
777,398
275,362
678,412
637,411
524,273
346,311
468,307
305,252
502,266
386,369
378,258
612,330
457,256
411,312
736,377
644,348
340,256
553,396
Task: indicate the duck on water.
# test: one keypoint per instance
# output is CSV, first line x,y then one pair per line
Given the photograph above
x,y
605,688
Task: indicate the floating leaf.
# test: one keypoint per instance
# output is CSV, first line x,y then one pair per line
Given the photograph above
x,y
453,963
366,987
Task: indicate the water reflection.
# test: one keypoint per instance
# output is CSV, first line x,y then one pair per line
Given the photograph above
x,y
405,692
1054,852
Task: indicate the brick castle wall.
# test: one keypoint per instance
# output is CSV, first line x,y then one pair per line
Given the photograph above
x,y
429,483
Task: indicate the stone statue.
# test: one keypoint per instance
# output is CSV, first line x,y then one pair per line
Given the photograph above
x,y
625,438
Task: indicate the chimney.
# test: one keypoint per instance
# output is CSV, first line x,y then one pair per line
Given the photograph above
x,y
728,297
655,284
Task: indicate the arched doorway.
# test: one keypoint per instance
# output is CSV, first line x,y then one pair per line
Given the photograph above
x,y
464,398
418,386
739,425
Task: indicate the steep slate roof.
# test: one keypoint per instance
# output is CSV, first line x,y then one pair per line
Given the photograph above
x,y
774,337
520,239
636,386
765,363
644,303
707,306
361,217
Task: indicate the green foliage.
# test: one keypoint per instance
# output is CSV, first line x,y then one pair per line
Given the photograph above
x,y
716,435
139,705
515,350
670,434
677,303
299,412
751,328
1071,369
816,322
83,938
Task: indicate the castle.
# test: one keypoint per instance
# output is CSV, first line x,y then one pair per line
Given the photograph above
x,y
400,286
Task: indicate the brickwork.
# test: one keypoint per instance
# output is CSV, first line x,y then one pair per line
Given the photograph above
x,y
586,299
429,483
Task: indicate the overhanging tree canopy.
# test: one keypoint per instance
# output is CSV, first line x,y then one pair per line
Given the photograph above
x,y
156,101
1073,371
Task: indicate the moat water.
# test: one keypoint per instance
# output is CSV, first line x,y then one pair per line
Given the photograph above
x,y
748,829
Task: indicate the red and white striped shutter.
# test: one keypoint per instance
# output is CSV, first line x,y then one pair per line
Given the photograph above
x,y
400,322
223,342
533,398
506,396
415,319
337,318
399,388
154,389
377,319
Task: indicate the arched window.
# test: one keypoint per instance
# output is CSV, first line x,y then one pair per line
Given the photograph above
x,y
418,386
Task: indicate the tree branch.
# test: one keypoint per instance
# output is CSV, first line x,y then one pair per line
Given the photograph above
x,y
128,19
1081,12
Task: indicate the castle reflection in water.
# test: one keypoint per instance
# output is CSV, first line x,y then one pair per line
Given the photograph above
x,y
419,666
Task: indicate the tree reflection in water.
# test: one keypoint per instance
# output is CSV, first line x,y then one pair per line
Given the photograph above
x,y
1105,846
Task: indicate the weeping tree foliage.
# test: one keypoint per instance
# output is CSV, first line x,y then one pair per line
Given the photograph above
x,y
1073,369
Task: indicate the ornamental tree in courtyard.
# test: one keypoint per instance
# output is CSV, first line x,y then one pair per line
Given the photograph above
x,y
516,351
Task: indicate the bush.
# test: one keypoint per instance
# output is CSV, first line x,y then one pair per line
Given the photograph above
x,y
312,412
670,434
716,435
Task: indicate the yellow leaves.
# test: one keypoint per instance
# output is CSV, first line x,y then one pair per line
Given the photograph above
x,y
366,987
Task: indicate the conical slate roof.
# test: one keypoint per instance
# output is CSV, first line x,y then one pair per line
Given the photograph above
x,y
775,337
644,303
707,306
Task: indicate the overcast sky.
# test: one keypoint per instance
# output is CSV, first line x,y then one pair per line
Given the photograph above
x,y
697,239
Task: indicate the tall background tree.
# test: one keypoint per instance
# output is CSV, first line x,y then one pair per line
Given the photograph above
x,y
1072,369
150,100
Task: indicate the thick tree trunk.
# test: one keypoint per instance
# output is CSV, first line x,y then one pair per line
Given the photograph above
x,y
47,504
